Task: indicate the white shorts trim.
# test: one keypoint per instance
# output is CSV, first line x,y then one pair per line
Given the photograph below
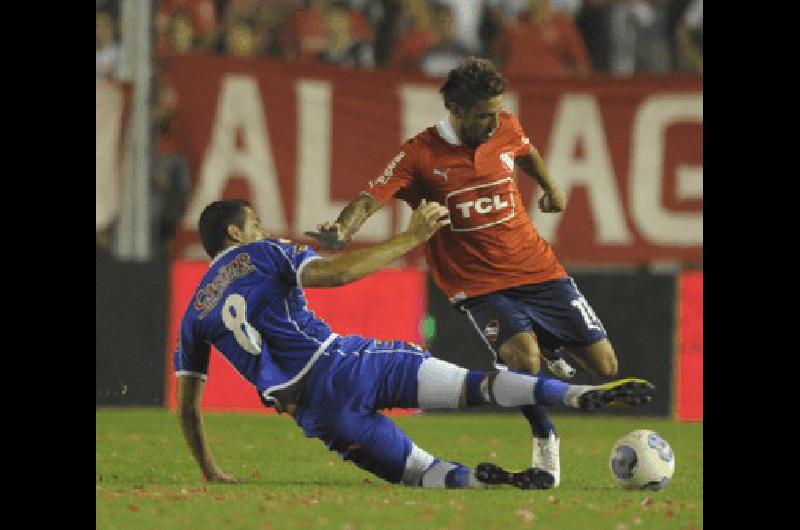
x,y
439,384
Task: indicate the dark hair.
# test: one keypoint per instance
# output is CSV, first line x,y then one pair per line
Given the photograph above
x,y
214,222
474,80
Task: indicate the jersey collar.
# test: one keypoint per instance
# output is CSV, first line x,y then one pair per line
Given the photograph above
x,y
219,256
447,132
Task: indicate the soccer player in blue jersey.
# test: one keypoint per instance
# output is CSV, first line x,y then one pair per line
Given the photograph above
x,y
250,306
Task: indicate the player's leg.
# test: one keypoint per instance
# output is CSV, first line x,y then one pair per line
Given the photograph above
x,y
344,402
521,352
500,321
376,444
340,407
598,357
582,331
403,375
506,329
445,385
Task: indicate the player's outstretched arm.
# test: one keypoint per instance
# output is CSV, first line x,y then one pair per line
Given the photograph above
x,y
553,200
333,236
346,268
190,389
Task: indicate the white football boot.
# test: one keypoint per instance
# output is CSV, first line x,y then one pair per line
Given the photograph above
x,y
559,367
545,456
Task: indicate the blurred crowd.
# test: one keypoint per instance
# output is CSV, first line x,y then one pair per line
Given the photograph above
x,y
527,38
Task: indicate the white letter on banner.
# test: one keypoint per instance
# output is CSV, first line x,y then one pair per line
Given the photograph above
x,y
656,224
577,119
239,108
313,204
422,106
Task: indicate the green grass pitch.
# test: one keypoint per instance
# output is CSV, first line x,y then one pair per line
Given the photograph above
x,y
146,478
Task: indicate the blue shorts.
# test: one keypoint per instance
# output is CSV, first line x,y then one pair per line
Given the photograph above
x,y
346,388
555,311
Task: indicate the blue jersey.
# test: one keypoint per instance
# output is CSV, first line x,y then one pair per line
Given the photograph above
x,y
250,306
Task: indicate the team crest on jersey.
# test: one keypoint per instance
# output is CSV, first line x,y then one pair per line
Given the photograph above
x,y
508,161
492,330
208,297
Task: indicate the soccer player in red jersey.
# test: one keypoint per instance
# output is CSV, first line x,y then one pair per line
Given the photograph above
x,y
491,262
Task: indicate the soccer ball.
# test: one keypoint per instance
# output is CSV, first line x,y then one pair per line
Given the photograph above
x,y
642,460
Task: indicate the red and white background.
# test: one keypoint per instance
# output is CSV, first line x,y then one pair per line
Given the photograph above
x,y
301,141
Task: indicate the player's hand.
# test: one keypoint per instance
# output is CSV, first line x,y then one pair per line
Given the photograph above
x,y
552,201
330,236
427,219
220,477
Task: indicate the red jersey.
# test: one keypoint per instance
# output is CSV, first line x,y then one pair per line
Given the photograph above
x,y
491,243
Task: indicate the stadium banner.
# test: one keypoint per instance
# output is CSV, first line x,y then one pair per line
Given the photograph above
x,y
130,331
300,141
689,365
638,313
395,309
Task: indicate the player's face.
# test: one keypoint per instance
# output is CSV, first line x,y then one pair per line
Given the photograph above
x,y
252,230
479,123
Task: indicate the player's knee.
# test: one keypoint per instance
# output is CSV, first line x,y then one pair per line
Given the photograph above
x,y
523,361
609,366
534,363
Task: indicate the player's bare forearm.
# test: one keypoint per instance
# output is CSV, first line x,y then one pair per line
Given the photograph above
x,y
552,200
333,236
356,213
189,391
534,165
354,265
192,427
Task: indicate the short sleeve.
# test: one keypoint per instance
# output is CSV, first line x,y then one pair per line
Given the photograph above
x,y
191,355
520,143
291,259
398,175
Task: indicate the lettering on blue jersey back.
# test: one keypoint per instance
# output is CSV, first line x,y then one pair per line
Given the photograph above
x,y
209,296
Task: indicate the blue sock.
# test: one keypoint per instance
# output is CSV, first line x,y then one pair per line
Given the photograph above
x,y
539,419
549,391
474,395
458,477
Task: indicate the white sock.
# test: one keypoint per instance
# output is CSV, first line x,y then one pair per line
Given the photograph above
x,y
511,389
417,462
573,393
435,476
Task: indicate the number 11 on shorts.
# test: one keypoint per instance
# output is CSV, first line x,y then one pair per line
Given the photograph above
x,y
592,322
